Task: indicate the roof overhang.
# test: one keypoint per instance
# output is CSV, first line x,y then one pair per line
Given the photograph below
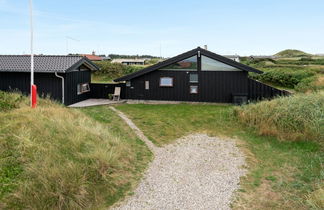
x,y
187,55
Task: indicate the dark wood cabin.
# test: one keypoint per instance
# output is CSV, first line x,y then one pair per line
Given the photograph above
x,y
197,75
62,78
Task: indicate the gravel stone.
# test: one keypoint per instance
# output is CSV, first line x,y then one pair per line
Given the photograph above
x,y
195,172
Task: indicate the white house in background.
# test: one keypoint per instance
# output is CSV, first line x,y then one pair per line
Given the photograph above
x,y
233,57
129,61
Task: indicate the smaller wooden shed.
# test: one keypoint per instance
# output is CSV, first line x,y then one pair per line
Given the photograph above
x,y
62,78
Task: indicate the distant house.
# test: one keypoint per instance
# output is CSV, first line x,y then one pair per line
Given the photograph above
x,y
63,78
128,61
196,75
105,58
93,56
233,57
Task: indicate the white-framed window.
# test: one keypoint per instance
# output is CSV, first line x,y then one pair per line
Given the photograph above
x,y
83,88
166,81
193,89
193,78
128,83
147,85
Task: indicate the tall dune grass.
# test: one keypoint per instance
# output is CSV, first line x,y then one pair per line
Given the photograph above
x,y
53,157
299,117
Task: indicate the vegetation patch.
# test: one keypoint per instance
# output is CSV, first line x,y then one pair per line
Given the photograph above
x,y
299,117
291,53
10,101
54,157
109,71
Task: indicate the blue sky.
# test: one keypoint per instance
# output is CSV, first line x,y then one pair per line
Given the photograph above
x,y
257,27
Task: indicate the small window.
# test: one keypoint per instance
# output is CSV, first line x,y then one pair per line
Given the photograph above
x,y
83,88
147,85
194,89
128,83
193,78
166,82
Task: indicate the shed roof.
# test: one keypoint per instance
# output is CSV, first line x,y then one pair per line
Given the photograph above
x,y
187,55
43,63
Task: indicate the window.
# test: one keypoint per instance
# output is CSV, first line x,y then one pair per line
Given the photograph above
x,y
194,89
193,78
189,64
166,82
128,83
83,88
147,85
208,64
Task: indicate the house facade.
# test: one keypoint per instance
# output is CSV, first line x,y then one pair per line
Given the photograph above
x,y
62,78
197,75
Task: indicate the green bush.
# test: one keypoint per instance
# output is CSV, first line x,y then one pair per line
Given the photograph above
x,y
302,61
298,117
114,70
9,101
285,77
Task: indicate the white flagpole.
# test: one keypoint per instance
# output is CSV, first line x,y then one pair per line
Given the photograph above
x,y
31,49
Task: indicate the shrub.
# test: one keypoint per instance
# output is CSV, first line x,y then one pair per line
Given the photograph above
x,y
289,78
298,117
9,101
302,61
114,70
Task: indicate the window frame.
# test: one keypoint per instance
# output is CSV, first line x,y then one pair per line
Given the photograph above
x,y
172,81
197,81
128,83
147,84
80,89
194,86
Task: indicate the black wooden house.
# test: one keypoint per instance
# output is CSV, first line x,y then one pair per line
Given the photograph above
x,y
62,78
197,75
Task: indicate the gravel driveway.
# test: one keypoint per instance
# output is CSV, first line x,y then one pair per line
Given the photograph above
x,y
195,172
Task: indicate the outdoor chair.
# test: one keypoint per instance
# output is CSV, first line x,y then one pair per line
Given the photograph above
x,y
116,94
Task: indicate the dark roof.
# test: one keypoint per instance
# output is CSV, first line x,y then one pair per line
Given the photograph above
x,y
187,55
43,63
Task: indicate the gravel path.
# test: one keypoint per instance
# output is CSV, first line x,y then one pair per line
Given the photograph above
x,y
195,172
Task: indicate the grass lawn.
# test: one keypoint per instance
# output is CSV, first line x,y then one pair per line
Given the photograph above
x,y
119,128
282,175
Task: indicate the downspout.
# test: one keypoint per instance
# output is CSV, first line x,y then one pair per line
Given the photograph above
x,y
62,85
